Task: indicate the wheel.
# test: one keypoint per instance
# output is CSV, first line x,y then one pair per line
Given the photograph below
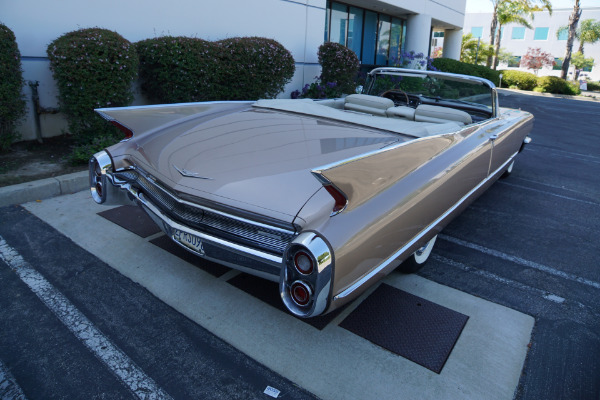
x,y
508,171
418,259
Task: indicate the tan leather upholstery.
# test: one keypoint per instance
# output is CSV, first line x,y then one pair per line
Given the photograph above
x,y
401,112
437,114
368,104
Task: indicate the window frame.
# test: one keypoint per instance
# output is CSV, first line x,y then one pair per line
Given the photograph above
x,y
512,33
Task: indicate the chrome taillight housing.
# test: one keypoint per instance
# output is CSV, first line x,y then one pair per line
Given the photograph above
x,y
306,275
100,164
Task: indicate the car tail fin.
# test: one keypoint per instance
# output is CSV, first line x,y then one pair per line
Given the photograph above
x,y
354,181
139,119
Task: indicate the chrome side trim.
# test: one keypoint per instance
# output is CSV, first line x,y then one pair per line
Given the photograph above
x,y
414,240
173,105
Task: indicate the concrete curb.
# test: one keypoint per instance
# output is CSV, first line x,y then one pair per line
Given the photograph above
x,y
44,188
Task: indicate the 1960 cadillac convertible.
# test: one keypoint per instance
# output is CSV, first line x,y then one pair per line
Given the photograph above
x,y
325,197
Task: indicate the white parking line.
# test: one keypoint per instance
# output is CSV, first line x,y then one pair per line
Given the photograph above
x,y
521,261
572,155
486,274
118,362
9,389
549,193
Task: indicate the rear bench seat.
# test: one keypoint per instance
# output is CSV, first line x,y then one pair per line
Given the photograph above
x,y
368,104
437,114
383,107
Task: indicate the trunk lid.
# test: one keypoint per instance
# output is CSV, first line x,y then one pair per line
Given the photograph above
x,y
258,160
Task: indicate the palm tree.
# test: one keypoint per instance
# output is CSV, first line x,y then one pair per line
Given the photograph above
x,y
587,32
534,5
472,50
493,27
573,20
510,12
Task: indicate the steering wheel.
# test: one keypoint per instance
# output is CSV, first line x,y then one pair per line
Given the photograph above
x,y
387,92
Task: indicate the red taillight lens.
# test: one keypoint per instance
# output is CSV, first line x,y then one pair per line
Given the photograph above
x,y
303,263
128,132
301,293
340,199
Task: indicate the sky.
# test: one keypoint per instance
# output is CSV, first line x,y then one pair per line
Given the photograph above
x,y
474,6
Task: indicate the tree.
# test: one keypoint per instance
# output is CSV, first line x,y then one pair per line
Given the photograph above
x,y
473,50
510,12
573,20
536,59
587,32
581,62
534,5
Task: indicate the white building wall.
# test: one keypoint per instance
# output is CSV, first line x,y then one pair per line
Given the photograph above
x,y
519,47
299,25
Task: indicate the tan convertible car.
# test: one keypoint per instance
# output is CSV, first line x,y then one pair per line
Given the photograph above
x,y
326,197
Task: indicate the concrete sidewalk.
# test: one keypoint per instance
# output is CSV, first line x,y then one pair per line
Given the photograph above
x,y
43,188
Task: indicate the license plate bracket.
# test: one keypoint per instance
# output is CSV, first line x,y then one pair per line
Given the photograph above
x,y
189,240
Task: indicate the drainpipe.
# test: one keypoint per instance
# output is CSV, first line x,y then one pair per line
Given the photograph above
x,y
35,97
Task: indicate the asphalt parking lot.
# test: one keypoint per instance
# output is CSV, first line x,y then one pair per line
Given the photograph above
x,y
95,320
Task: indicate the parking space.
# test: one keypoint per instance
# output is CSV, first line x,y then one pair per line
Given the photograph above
x,y
523,254
329,361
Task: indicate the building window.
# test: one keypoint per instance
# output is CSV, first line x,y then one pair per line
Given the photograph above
x,y
355,27
377,39
339,21
369,38
540,34
438,34
557,64
514,62
518,33
477,31
383,40
563,35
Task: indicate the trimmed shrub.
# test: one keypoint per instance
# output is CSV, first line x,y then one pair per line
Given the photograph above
x,y
12,104
317,90
253,68
339,65
178,69
183,69
554,84
459,67
93,68
519,79
595,86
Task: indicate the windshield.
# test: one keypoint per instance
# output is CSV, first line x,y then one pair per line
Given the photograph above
x,y
412,89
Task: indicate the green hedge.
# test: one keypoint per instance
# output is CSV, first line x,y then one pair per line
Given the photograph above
x,y
339,65
459,67
178,69
182,69
518,79
595,86
93,68
12,104
253,68
554,84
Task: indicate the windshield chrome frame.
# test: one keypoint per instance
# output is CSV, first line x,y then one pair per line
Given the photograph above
x,y
391,71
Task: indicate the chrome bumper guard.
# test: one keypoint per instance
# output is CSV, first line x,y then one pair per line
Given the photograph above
x,y
107,189
111,188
